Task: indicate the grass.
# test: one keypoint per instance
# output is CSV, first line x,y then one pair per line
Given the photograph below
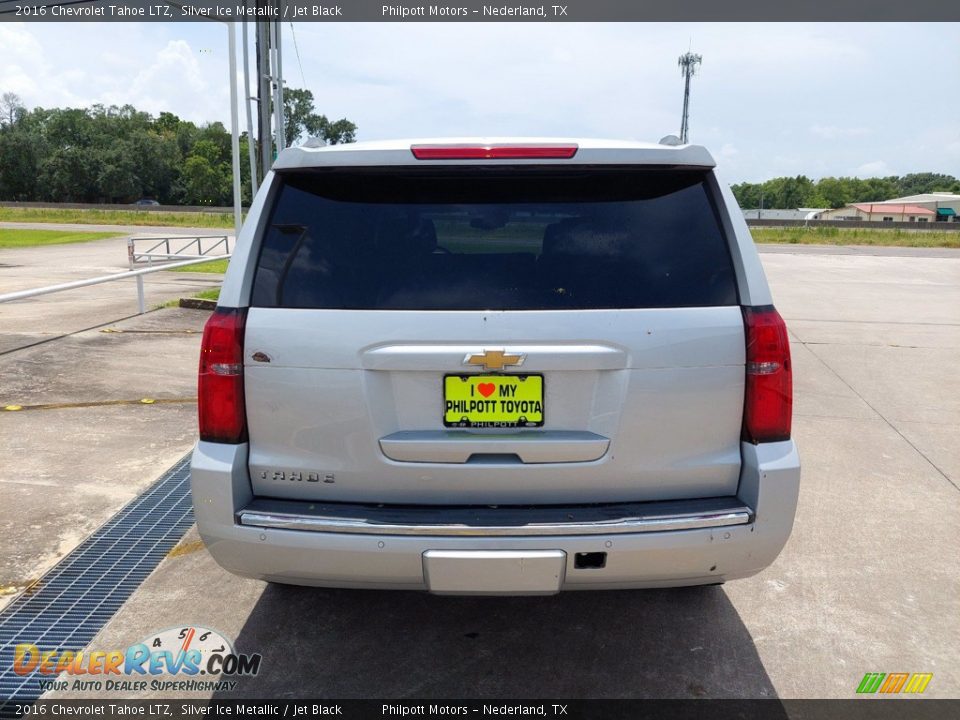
x,y
790,236
211,294
117,217
214,266
519,232
17,238
857,236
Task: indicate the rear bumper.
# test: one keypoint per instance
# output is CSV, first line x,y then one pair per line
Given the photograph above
x,y
540,522
665,546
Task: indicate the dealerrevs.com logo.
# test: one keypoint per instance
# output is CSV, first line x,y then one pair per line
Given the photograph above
x,y
188,658
893,683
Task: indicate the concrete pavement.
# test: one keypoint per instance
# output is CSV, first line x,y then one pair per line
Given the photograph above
x,y
65,470
26,322
878,250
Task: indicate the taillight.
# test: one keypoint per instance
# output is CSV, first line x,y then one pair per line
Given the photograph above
x,y
493,152
768,405
220,387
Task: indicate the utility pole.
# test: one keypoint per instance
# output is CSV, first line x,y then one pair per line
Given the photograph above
x,y
234,125
688,67
269,91
251,143
278,73
276,82
263,95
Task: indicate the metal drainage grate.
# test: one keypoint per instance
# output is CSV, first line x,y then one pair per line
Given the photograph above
x,y
77,597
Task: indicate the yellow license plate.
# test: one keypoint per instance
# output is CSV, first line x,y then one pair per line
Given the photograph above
x,y
493,401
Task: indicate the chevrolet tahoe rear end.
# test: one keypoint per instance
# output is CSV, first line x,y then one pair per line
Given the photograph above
x,y
510,367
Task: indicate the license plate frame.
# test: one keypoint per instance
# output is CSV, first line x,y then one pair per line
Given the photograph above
x,y
520,420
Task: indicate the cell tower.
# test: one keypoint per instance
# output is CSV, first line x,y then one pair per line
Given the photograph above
x,y
688,67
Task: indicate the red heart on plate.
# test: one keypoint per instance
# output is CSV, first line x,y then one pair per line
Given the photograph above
x,y
486,389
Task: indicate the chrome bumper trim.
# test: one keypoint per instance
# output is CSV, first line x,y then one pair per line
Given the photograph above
x,y
459,446
741,515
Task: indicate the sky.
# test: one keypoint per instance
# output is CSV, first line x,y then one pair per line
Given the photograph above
x,y
863,99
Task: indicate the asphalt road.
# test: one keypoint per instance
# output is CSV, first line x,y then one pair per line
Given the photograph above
x,y
867,583
123,229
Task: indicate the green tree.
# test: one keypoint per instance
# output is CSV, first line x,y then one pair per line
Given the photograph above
x,y
787,192
217,141
747,194
300,119
208,150
19,156
334,132
203,183
119,154
11,108
919,183
118,179
68,174
167,123
836,192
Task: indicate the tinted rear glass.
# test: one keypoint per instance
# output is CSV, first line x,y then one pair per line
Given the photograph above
x,y
487,238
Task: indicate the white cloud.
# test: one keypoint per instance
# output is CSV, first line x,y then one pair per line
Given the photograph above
x,y
877,168
174,72
832,132
769,99
123,63
23,69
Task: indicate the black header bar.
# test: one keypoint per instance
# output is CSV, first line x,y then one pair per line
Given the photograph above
x,y
472,11
219,709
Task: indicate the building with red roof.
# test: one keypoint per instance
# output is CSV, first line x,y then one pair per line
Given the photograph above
x,y
881,212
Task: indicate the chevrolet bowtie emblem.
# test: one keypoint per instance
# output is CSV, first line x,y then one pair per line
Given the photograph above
x,y
494,359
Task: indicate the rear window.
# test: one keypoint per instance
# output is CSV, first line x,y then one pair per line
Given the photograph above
x,y
487,238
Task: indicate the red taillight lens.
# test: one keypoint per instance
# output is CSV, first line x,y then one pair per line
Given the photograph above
x,y
220,387
493,152
768,405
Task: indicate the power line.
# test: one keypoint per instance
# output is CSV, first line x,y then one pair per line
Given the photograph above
x,y
302,76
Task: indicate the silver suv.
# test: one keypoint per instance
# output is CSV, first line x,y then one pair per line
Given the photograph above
x,y
481,367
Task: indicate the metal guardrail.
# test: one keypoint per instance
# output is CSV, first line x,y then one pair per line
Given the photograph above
x,y
149,255
175,248
132,273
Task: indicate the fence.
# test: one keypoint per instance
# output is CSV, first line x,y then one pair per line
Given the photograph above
x,y
184,243
132,273
867,224
184,248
